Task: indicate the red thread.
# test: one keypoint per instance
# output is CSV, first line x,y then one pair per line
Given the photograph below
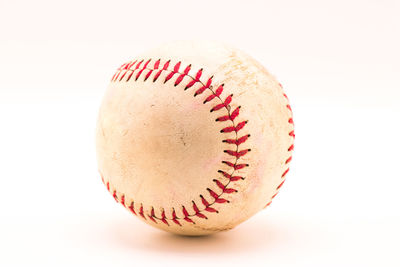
x,y
122,76
234,128
229,190
237,141
138,74
180,78
169,76
177,66
291,147
231,116
237,154
164,218
156,64
279,186
219,184
166,65
216,196
236,178
174,218
230,177
128,68
195,80
123,200
209,209
132,209
212,193
195,208
222,118
204,87
201,215
141,212
147,63
157,75
198,74
148,75
152,215
130,75
186,214
235,113
138,65
185,211
235,166
176,69
130,64
190,84
200,91
116,77
285,172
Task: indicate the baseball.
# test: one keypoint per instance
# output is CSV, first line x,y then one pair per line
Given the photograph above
x,y
194,137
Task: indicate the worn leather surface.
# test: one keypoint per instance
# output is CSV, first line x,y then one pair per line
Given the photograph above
x,y
159,148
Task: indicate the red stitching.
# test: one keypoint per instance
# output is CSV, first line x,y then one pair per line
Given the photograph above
x,y
115,195
291,147
164,218
237,154
230,177
285,172
236,128
231,116
132,208
186,214
123,200
175,218
235,166
237,141
152,215
141,212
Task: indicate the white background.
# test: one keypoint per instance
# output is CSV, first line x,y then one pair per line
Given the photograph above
x,y
338,62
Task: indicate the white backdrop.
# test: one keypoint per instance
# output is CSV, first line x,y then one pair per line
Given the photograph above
x,y
338,62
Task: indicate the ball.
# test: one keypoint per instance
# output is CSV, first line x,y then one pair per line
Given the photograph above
x,y
194,137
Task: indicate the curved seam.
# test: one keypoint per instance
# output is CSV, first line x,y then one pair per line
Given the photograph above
x,y
134,66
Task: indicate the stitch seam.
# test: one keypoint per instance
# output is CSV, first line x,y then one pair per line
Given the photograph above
x,y
290,149
215,94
